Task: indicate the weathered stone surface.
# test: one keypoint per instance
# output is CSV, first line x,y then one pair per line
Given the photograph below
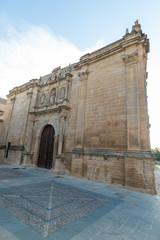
x,y
98,109
2,109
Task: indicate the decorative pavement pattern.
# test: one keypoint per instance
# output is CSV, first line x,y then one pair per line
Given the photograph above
x,y
38,205
49,207
8,173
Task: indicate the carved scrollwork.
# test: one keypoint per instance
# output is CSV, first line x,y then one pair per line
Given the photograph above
x,y
145,57
83,74
53,77
130,58
42,81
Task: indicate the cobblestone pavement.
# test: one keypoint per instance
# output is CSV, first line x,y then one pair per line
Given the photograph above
x,y
36,204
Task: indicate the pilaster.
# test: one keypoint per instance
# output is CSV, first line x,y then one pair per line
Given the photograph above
x,y
13,99
28,153
29,98
83,76
132,99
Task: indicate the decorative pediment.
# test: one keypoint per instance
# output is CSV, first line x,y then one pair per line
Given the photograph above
x,y
57,74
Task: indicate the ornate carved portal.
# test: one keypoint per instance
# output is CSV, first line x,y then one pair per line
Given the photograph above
x,y
45,157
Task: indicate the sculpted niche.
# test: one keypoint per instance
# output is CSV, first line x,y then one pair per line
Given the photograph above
x,y
52,97
54,89
42,99
62,93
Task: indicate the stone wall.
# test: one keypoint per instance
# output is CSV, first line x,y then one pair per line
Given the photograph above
x,y
98,109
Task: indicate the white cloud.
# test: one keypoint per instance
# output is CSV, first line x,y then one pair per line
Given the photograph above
x,y
100,43
32,53
29,54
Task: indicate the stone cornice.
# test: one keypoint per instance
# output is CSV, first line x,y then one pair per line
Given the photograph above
x,y
51,110
13,147
22,88
2,146
120,45
17,147
113,152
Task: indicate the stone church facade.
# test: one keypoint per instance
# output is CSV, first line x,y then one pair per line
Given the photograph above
x,y
89,119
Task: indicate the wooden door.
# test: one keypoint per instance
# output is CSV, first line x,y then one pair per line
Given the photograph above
x,y
45,157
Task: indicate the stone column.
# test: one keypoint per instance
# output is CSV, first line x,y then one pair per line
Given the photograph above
x,y
132,95
81,109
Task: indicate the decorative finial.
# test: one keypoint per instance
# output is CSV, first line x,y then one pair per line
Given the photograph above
x,y
136,22
136,27
127,32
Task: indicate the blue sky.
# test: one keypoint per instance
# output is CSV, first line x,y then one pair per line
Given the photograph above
x,y
82,22
39,35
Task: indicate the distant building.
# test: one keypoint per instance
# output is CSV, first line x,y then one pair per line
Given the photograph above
x,y
89,119
2,107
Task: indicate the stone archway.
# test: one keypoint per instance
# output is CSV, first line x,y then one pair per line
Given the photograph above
x,y
45,157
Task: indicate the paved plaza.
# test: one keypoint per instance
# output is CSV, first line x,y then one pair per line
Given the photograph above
x,y
36,204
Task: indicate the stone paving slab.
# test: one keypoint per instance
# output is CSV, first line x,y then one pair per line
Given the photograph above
x,y
36,204
8,173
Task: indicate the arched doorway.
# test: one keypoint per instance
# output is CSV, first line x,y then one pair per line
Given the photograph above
x,y
45,157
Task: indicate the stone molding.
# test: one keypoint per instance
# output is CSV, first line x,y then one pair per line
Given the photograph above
x,y
120,45
51,110
13,147
17,147
113,152
2,146
22,88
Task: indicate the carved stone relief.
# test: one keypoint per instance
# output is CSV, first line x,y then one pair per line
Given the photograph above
x,y
130,58
62,93
42,99
83,74
52,98
59,92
